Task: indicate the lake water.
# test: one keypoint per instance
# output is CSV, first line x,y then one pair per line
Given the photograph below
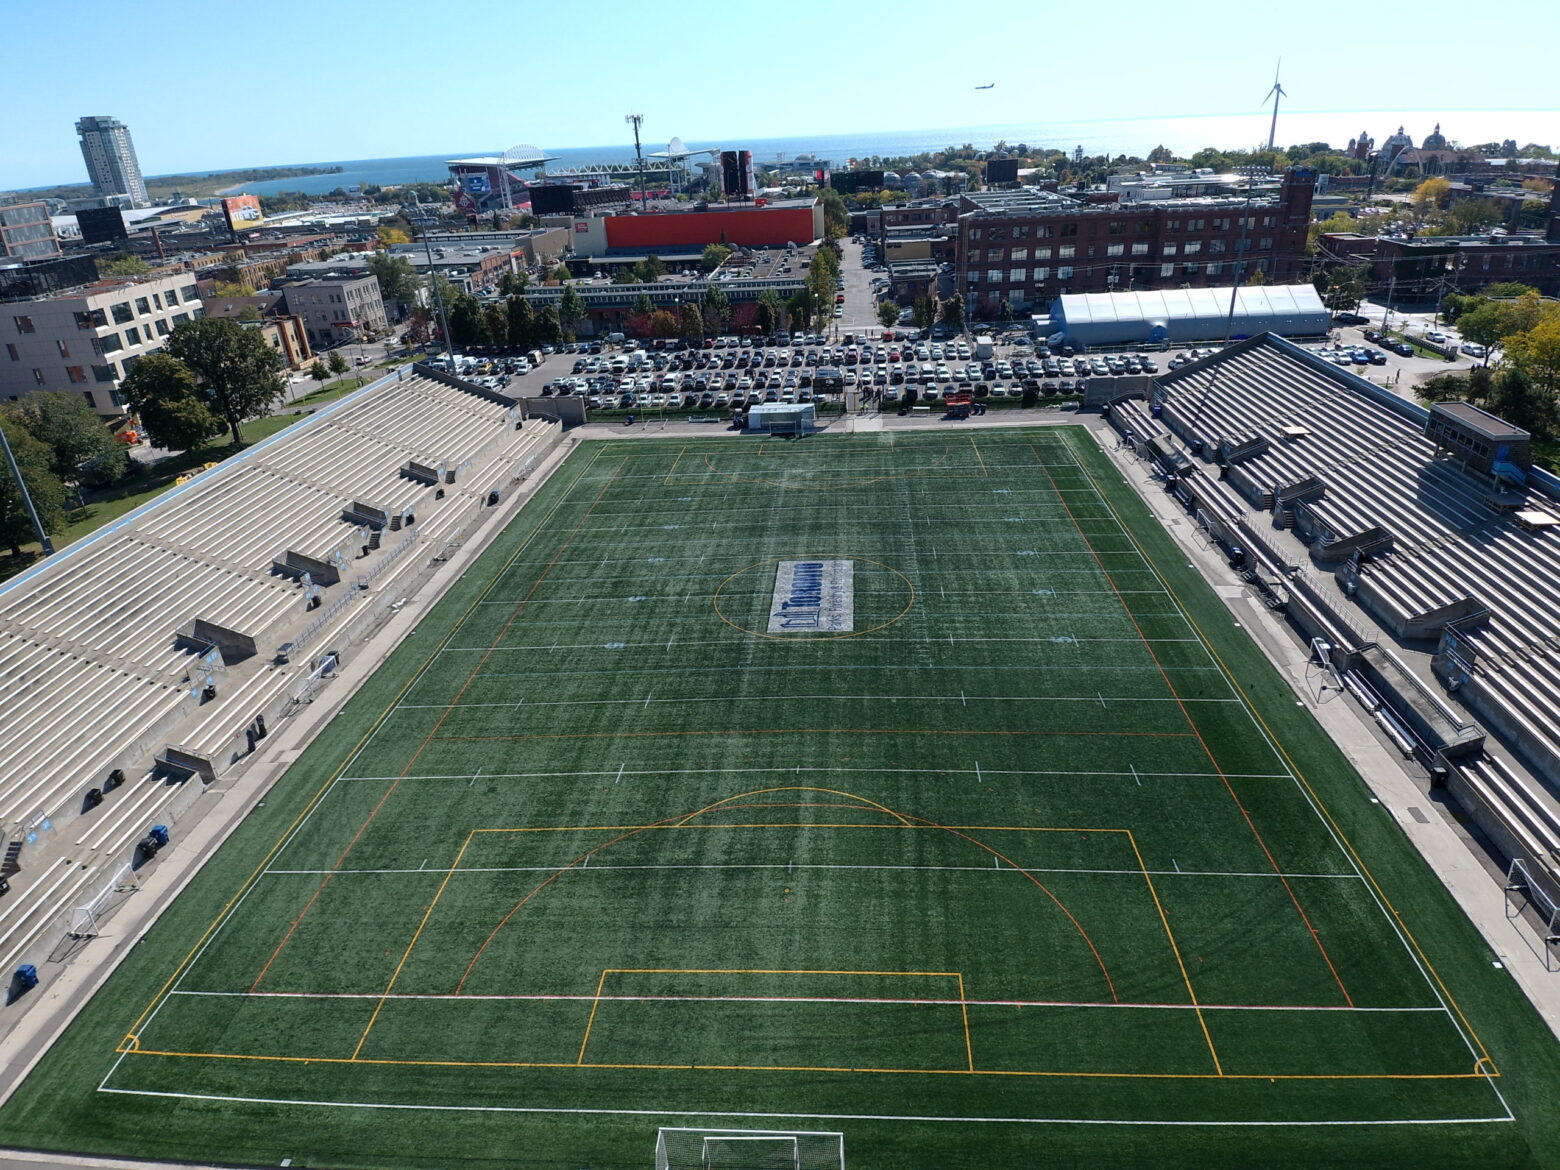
x,y
1117,136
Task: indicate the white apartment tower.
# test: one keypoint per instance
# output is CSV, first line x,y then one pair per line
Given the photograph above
x,y
111,162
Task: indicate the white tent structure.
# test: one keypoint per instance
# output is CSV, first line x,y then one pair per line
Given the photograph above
x,y
1182,316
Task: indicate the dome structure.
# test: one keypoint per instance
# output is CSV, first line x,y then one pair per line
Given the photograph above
x,y
1396,144
1436,140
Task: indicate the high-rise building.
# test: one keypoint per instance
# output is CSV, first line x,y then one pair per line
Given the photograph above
x,y
111,161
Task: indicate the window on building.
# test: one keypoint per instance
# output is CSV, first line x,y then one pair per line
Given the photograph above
x,y
1067,251
1116,250
62,347
10,348
162,329
1018,275
1042,253
1020,254
24,325
77,374
171,297
104,373
1044,231
1214,268
1064,272
1167,270
117,397
92,402
1193,246
122,313
1189,269
1218,246
1172,225
38,378
1265,244
1243,245
180,318
189,294
1221,224
1140,249
83,320
1145,226
156,301
1118,228
1270,221
143,306
1262,264
1042,274
1169,249
1021,231
108,343
1194,225
1069,229
974,233
132,336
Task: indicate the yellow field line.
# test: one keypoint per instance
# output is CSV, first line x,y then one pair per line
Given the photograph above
x,y
667,480
985,474
1179,961
590,1023
407,954
983,1072
1293,767
789,825
964,1008
140,1021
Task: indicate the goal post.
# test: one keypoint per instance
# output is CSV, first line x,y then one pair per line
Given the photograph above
x,y
748,1149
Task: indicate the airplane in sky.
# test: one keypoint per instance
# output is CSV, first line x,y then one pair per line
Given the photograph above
x,y
991,86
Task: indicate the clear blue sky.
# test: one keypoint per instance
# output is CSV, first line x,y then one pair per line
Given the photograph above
x,y
216,84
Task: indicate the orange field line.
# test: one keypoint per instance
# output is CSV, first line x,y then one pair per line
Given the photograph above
x,y
1187,715
983,1072
964,1010
132,1036
591,1023
434,731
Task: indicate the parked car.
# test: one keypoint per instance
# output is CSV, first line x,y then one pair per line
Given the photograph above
x,y
1473,349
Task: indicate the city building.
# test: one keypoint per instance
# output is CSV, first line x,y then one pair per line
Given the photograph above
x,y
472,269
338,310
1421,268
110,156
1183,316
528,246
267,312
761,224
27,232
1028,246
86,339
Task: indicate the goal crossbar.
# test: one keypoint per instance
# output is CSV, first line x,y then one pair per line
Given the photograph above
x,y
683,1148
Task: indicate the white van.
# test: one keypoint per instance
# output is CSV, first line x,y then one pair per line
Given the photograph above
x,y
534,357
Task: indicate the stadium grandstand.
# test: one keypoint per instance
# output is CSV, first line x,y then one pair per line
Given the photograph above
x,y
146,660
1432,523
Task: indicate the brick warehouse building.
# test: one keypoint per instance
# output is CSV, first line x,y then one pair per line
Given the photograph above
x,y
1031,245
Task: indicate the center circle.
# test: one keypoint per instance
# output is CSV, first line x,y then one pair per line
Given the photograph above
x,y
750,612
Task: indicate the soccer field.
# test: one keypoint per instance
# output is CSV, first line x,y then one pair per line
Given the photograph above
x,y
911,788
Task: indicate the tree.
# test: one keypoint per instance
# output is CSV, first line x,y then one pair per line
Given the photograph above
x,y
1259,277
714,256
1536,352
397,278
1431,195
953,312
1005,313
1469,216
836,219
392,235
319,373
642,305
81,448
467,324
522,322
1517,397
651,269
562,274
47,492
692,325
496,317
337,363
1345,289
166,396
571,311
716,307
663,323
230,289
625,275
887,314
123,264
767,313
419,327
548,329
1506,288
923,312
800,308
236,367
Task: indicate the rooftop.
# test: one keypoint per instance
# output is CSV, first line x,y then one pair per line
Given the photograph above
x,y
1482,422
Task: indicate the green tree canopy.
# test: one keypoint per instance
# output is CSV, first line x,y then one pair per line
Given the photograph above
x,y
318,372
468,325
887,314
82,450
923,312
651,269
571,312
236,367
549,331
397,278
522,322
33,459
714,256
768,311
643,305
166,396
953,312
691,327
663,323
337,363
716,307
123,264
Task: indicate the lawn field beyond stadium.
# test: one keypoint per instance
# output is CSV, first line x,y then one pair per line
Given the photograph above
x,y
1036,858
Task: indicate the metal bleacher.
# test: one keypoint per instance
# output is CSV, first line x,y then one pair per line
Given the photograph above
x,y
152,646
1413,538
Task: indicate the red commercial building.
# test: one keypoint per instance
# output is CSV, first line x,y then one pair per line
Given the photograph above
x,y
772,225
1029,246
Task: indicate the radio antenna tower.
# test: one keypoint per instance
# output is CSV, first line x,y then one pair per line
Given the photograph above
x,y
1275,93
636,120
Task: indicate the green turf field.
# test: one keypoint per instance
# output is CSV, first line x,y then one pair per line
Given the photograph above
x,y
1011,850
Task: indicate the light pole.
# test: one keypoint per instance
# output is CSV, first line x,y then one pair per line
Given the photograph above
x,y
636,120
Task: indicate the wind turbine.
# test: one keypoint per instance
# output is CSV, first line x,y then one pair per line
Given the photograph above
x,y
1275,93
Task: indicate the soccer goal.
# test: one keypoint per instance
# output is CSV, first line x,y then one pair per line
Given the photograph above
x,y
748,1149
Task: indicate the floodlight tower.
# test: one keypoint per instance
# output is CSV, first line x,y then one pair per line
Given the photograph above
x,y
636,120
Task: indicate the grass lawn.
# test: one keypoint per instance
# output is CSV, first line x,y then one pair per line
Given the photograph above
x,y
913,788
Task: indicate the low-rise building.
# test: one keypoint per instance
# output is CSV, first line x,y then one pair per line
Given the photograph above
x,y
267,312
1418,268
337,310
27,232
86,339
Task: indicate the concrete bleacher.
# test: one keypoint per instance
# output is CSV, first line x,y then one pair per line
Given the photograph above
x,y
1412,536
167,634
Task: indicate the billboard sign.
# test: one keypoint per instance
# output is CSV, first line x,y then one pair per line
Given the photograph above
x,y
99,225
243,213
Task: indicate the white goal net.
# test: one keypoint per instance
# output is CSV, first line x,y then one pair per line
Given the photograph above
x,y
748,1149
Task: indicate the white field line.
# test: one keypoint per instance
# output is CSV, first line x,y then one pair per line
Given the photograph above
x,y
797,770
543,1109
789,865
587,997
1348,856
651,699
973,668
